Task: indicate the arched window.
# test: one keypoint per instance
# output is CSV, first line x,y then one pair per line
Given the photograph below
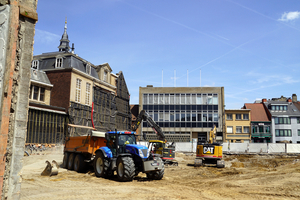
x,y
35,64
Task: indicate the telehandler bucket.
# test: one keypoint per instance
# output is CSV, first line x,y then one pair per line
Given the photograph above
x,y
51,169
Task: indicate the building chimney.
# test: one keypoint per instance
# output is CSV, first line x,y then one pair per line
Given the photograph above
x,y
289,100
294,98
264,100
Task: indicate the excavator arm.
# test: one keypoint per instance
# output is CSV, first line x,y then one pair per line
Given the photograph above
x,y
212,135
146,117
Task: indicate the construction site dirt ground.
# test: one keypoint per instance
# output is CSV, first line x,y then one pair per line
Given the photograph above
x,y
244,177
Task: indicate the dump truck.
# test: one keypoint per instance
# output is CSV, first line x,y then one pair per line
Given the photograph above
x,y
111,151
210,152
160,146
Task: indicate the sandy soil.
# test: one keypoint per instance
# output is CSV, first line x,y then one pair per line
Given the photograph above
x,y
244,177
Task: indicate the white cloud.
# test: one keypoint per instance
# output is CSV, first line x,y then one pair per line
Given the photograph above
x,y
289,16
45,37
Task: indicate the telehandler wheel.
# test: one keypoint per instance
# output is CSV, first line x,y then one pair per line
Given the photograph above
x,y
71,161
156,175
79,164
101,165
125,168
65,160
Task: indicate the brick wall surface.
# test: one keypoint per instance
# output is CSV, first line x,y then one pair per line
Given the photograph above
x,y
60,93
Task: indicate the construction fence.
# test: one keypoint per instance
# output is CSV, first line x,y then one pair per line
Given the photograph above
x,y
241,147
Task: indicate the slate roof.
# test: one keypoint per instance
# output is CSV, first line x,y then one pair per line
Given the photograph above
x,y
291,108
297,104
39,76
258,112
70,60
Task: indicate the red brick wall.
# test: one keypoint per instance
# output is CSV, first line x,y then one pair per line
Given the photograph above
x,y
60,93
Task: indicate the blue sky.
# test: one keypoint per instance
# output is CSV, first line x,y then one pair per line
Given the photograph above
x,y
249,47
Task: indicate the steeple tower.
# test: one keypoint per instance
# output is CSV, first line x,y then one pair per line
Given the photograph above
x,y
64,42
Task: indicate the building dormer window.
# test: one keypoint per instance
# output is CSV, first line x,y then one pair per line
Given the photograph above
x,y
88,69
105,76
35,64
59,62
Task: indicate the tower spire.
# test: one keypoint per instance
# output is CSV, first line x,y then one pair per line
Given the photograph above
x,y
64,41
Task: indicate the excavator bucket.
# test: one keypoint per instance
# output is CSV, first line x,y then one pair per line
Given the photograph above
x,y
51,169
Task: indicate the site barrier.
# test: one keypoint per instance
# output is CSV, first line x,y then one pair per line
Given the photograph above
x,y
241,147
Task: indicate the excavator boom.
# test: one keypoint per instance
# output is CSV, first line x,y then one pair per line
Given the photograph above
x,y
146,117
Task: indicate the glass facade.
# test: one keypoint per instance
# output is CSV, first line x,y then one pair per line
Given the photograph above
x,y
182,110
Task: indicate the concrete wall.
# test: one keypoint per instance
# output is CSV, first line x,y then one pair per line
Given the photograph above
x,y
17,19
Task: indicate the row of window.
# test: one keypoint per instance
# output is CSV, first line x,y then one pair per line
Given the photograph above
x,y
184,124
238,116
282,120
238,129
279,107
184,116
78,92
37,93
283,132
180,107
171,132
188,99
260,129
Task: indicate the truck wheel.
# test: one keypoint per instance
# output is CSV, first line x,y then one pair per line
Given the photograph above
x,y
65,160
79,164
101,165
125,168
71,161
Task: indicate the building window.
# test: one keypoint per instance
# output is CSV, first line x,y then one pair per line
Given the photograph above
x,y
282,120
145,99
199,99
35,64
88,69
105,76
298,132
229,116
194,99
78,90
58,62
279,107
87,93
246,129
172,99
283,132
246,116
182,99
298,120
155,98
37,93
215,99
238,116
238,129
216,116
161,99
209,99
167,101
229,129
150,99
